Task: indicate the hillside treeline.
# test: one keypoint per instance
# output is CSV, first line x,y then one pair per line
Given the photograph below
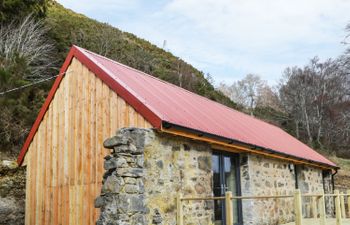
x,y
310,102
35,37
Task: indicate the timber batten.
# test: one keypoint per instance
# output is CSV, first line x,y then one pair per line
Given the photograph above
x,y
65,157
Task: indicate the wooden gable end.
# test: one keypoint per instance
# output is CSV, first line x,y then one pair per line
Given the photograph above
x,y
65,158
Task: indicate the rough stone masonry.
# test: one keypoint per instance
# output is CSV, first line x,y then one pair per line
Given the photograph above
x,y
122,199
146,169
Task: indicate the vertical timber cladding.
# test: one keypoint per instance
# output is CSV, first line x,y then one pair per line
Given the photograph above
x,y
65,158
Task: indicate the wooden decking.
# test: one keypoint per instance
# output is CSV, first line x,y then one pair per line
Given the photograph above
x,y
317,222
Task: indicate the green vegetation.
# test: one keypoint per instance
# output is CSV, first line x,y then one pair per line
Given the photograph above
x,y
64,28
16,9
68,27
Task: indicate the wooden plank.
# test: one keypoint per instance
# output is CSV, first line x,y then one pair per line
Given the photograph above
x,y
113,110
106,129
87,150
131,117
38,184
34,181
106,112
140,121
60,151
119,114
298,207
229,208
83,147
126,115
179,210
322,208
71,145
77,148
342,205
67,139
48,204
43,153
79,211
337,208
123,109
38,211
54,218
348,193
99,128
94,190
98,135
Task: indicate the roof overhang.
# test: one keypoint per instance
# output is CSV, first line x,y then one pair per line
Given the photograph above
x,y
226,144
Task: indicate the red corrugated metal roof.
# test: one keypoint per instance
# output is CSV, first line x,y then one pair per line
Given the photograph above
x,y
159,101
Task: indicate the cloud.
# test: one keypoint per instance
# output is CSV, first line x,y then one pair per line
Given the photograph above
x,y
264,36
262,23
230,38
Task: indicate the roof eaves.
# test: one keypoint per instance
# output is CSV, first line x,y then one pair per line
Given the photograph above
x,y
168,125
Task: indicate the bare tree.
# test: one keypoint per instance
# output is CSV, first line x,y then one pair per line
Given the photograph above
x,y
27,41
245,92
312,95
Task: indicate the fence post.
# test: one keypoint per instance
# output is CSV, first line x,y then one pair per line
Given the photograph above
x,y
179,213
348,193
322,208
298,207
229,208
337,208
342,206
314,207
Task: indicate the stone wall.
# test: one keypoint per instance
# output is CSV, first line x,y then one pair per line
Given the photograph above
x,y
173,165
122,199
266,176
309,182
145,171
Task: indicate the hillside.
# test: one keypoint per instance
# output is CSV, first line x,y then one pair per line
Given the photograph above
x,y
65,28
68,27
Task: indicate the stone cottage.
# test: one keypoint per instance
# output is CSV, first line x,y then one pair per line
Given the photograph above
x,y
168,141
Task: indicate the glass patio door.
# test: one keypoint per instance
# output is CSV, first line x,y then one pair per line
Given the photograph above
x,y
226,177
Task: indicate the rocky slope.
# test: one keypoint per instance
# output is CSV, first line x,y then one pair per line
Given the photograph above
x,y
12,193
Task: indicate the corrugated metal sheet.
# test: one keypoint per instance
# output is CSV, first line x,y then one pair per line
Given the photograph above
x,y
159,101
181,107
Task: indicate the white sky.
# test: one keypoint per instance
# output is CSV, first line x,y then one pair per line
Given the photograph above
x,y
230,38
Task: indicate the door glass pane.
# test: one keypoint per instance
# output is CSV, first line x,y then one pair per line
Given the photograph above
x,y
231,182
230,174
217,189
225,179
